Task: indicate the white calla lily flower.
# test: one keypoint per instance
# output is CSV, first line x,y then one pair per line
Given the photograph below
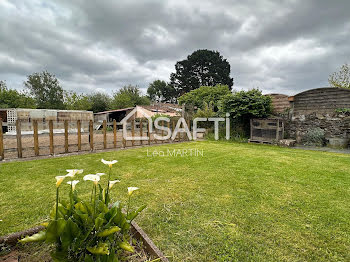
x,y
100,174
73,172
59,180
131,190
93,178
111,183
73,183
109,163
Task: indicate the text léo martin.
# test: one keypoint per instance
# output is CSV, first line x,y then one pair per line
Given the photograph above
x,y
176,152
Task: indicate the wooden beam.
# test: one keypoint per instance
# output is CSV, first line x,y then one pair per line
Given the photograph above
x,y
104,134
51,137
91,135
2,155
133,132
66,136
36,137
19,138
115,133
79,134
141,131
124,140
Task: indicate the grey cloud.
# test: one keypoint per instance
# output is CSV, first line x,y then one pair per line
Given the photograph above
x,y
279,46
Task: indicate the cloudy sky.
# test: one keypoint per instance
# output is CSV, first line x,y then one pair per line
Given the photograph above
x,y
278,46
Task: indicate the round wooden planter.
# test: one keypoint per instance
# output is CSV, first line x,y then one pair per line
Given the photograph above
x,y
137,231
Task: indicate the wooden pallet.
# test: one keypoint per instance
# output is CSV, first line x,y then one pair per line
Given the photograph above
x,y
260,142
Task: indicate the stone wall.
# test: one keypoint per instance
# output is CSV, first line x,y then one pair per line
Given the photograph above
x,y
316,108
335,126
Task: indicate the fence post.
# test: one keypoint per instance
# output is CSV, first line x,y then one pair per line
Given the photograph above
x,y
79,134
141,131
66,136
51,137
19,138
36,137
149,133
104,134
124,140
133,132
1,142
91,135
115,133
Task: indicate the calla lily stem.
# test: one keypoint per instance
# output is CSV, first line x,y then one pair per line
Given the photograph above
x,y
127,211
107,191
56,203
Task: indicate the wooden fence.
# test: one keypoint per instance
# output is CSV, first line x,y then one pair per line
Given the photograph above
x,y
33,144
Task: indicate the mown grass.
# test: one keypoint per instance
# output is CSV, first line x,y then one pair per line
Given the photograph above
x,y
239,202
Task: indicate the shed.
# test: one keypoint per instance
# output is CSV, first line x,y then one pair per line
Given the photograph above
x,y
267,130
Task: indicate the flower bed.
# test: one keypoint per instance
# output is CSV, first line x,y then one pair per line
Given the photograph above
x,y
90,230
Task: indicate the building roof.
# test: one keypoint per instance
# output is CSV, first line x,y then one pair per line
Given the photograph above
x,y
116,110
156,107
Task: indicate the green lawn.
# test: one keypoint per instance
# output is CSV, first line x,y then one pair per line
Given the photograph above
x,y
240,202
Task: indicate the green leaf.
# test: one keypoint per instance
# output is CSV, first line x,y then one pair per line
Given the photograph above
x,y
101,249
55,229
69,234
81,207
133,214
41,236
99,222
111,213
108,231
102,207
126,246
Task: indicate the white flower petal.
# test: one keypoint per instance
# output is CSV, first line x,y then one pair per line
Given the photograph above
x,y
93,178
59,180
73,183
131,190
73,172
109,163
111,183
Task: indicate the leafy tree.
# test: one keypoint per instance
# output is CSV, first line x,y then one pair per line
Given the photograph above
x,y
201,68
128,96
11,98
160,91
74,101
206,94
206,111
46,90
341,79
244,105
99,102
